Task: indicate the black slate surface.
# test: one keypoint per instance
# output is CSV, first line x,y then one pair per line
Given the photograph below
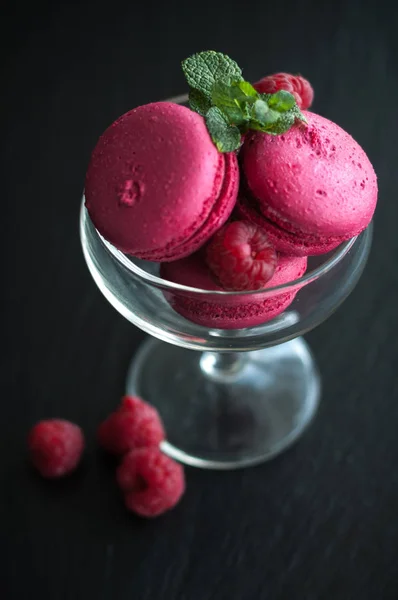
x,y
320,521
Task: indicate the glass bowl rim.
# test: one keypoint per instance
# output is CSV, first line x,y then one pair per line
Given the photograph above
x,y
338,254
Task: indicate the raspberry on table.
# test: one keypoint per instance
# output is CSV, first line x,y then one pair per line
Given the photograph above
x,y
55,447
241,256
151,481
134,424
295,84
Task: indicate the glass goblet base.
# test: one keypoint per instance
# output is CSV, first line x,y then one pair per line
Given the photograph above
x,y
227,410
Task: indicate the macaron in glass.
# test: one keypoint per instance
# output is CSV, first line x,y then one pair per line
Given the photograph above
x,y
229,311
311,188
156,187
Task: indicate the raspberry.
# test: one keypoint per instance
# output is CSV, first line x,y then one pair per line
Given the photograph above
x,y
130,403
241,256
55,447
151,481
133,425
295,84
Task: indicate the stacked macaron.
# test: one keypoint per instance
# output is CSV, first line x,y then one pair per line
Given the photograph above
x,y
231,194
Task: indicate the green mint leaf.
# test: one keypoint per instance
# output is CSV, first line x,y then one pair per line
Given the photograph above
x,y
262,118
260,110
268,123
265,97
222,94
272,121
198,102
226,137
242,92
248,89
279,122
223,97
281,101
203,69
298,114
234,115
279,119
246,111
234,100
283,124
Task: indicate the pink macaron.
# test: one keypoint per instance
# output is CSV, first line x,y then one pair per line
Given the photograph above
x,y
156,186
310,188
232,311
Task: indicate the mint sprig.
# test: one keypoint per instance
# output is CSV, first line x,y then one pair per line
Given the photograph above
x,y
231,106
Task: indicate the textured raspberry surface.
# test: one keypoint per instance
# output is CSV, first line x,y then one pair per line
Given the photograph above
x,y
241,256
151,481
295,84
55,447
134,425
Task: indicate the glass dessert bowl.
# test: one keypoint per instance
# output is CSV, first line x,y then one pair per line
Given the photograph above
x,y
228,397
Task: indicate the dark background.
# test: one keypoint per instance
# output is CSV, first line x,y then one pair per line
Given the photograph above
x,y
320,521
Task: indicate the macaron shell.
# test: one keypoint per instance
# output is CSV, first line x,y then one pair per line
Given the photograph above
x,y
233,311
286,242
313,179
222,208
153,179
